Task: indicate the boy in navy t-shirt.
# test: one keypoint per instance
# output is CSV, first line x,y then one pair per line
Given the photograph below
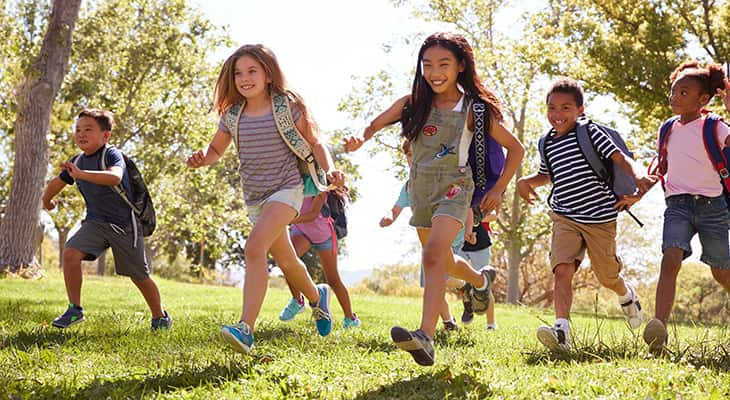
x,y
109,219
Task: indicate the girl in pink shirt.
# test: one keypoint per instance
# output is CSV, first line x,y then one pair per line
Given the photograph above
x,y
694,193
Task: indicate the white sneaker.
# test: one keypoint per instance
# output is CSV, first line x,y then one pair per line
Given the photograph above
x,y
632,310
553,338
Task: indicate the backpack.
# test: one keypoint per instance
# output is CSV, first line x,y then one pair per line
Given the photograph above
x,y
334,208
139,200
616,178
486,156
718,153
314,177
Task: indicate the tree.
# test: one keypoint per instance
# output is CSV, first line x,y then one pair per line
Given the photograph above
x,y
20,226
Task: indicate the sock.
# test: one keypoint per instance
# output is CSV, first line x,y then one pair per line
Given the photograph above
x,y
450,320
562,323
626,297
300,300
492,325
486,283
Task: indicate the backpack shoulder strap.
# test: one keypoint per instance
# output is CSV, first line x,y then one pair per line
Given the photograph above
x,y
233,115
293,138
480,143
587,147
119,189
714,148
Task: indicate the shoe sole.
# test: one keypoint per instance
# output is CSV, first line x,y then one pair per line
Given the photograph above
x,y
546,337
233,341
655,335
78,321
405,341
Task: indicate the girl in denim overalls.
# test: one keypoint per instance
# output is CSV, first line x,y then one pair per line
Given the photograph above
x,y
437,119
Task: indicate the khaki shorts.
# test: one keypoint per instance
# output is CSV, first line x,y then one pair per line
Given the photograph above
x,y
571,239
436,191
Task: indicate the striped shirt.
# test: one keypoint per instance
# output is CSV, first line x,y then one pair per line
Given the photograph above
x,y
577,193
267,165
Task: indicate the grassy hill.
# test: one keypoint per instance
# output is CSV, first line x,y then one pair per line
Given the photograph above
x,y
114,355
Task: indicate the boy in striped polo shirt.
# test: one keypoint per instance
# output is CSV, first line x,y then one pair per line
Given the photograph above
x,y
584,210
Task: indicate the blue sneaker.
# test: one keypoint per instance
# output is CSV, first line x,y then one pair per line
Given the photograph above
x,y
295,306
239,336
164,322
351,322
74,314
321,311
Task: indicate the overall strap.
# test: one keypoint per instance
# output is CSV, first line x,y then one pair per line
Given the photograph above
x,y
714,148
480,144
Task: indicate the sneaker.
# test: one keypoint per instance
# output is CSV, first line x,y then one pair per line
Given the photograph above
x,y
238,336
450,325
632,310
321,311
291,310
553,338
351,322
468,315
491,327
164,322
655,335
74,314
415,342
480,298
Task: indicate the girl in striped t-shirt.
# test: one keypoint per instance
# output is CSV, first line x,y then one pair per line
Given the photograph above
x,y
272,185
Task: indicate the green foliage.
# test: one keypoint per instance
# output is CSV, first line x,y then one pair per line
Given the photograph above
x,y
392,280
114,355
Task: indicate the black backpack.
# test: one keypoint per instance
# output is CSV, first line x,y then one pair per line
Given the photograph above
x,y
139,200
334,208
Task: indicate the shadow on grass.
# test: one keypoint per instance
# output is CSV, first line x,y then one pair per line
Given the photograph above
x,y
438,385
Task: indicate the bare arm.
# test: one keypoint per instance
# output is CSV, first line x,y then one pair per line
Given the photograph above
x,y
211,153
388,219
321,154
643,181
393,113
111,177
313,212
515,153
52,189
527,184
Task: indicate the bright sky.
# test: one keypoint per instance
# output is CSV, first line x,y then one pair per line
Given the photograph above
x,y
321,45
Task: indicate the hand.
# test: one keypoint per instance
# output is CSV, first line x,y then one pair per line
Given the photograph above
x,y
491,200
626,201
526,191
470,237
725,94
353,143
645,183
196,160
387,220
72,169
336,177
50,204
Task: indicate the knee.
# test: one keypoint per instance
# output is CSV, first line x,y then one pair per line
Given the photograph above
x,y
254,254
72,257
564,272
430,258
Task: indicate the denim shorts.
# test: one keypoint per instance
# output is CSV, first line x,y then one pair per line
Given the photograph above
x,y
322,246
687,215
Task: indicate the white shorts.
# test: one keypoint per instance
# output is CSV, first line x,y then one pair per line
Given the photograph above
x,y
293,197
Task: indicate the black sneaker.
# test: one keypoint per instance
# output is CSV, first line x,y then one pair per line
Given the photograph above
x,y
468,315
415,342
480,297
450,325
74,314
164,322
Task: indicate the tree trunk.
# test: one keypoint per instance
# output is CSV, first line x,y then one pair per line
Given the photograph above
x,y
35,100
101,263
62,237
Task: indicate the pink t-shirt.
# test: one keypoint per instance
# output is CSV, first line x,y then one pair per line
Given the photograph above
x,y
317,231
689,169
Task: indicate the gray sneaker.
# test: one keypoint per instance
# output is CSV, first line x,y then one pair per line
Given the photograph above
x,y
162,323
480,298
74,314
553,338
415,342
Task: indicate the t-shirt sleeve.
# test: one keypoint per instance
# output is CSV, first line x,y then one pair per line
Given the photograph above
x,y
403,199
723,131
114,158
542,170
604,144
222,124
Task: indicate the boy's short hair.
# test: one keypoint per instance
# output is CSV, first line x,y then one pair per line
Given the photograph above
x,y
568,86
105,119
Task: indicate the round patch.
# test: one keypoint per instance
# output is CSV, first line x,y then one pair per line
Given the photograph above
x,y
429,130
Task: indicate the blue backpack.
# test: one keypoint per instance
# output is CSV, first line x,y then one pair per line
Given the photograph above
x,y
718,153
617,179
486,157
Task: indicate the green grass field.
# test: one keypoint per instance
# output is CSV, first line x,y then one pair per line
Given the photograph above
x,y
114,355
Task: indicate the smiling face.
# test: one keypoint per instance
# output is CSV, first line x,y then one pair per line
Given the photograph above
x,y
250,77
441,69
687,98
563,111
89,136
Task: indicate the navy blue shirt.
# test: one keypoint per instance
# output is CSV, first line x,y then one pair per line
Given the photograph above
x,y
103,204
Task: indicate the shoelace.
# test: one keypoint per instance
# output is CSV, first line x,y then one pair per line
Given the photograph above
x,y
319,314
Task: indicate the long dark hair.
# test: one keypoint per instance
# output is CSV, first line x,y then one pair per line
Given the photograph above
x,y
417,109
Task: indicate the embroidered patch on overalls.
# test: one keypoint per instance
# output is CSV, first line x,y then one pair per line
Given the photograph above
x,y
429,130
453,191
445,150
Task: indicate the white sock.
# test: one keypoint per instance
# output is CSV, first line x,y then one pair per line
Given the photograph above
x,y
626,297
486,283
562,323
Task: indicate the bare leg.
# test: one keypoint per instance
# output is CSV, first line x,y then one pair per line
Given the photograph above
x,y
563,290
151,295
722,276
294,269
329,266
72,275
667,285
301,245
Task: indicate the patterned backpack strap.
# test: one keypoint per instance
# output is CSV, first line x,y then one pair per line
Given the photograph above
x,y
480,145
231,119
294,139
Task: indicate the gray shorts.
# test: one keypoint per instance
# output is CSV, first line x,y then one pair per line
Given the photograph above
x,y
94,237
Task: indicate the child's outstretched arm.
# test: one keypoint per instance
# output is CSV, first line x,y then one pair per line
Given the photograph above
x,y
52,189
389,218
389,116
211,153
321,154
643,181
515,153
313,212
111,177
527,184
